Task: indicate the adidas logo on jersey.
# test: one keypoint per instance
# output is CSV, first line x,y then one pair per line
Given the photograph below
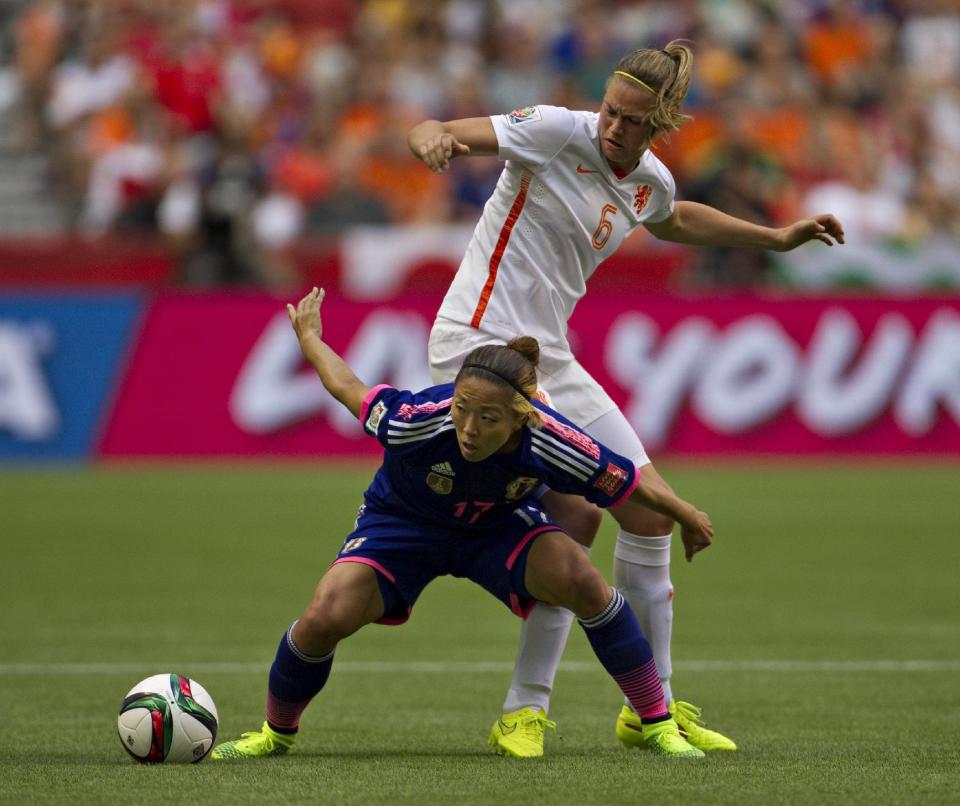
x,y
444,469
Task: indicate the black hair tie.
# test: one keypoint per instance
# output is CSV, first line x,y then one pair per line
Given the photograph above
x,y
503,378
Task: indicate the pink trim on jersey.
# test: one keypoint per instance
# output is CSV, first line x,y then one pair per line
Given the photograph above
x,y
576,439
365,405
522,612
512,559
408,410
390,621
630,488
395,620
500,248
367,561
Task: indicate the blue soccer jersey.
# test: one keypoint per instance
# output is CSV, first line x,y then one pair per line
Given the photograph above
x,y
424,475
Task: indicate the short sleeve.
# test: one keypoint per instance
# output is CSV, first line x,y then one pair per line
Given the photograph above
x,y
402,420
374,407
576,463
665,210
534,134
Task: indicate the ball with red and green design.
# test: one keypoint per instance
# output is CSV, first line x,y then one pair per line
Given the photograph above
x,y
167,718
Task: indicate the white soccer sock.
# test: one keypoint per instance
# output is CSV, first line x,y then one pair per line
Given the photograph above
x,y
543,637
641,572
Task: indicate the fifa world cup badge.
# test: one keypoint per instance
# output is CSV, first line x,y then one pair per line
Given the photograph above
x,y
526,114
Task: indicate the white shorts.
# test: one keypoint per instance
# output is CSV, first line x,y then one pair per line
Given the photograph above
x,y
572,390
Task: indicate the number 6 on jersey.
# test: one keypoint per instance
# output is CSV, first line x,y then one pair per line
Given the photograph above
x,y
604,228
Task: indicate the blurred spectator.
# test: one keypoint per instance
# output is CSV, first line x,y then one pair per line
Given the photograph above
x,y
518,74
39,41
838,47
869,207
346,203
213,219
234,128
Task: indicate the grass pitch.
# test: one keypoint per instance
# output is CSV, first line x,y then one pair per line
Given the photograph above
x,y
822,632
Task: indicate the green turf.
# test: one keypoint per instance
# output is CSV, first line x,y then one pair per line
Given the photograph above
x,y
113,574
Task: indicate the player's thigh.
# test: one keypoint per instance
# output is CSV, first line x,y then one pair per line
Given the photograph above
x,y
405,554
347,598
575,514
449,344
571,390
560,573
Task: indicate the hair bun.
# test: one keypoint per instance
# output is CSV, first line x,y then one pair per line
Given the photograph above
x,y
528,347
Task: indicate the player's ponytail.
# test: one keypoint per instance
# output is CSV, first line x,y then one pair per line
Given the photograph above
x,y
513,365
667,74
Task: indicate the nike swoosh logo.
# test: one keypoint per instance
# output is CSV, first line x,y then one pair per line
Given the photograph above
x,y
582,170
506,729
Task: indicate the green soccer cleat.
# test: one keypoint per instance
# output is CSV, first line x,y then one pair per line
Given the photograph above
x,y
664,739
520,733
691,725
255,744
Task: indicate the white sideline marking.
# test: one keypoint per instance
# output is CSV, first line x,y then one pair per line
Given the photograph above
x,y
465,667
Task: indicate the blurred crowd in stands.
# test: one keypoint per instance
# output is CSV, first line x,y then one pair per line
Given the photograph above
x,y
235,128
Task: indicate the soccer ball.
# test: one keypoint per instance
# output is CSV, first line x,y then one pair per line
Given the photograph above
x,y
167,717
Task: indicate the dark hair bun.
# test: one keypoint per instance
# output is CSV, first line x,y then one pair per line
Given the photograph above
x,y
528,347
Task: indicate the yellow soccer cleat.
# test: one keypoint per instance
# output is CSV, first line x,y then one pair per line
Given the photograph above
x,y
691,725
630,732
520,733
664,739
629,728
255,744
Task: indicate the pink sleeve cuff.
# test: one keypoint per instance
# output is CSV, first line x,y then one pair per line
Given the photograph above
x,y
630,488
365,406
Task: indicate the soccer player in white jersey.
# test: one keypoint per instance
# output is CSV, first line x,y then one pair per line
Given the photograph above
x,y
574,186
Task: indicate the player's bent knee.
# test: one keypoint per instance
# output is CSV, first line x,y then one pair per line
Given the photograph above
x,y
330,618
587,591
588,526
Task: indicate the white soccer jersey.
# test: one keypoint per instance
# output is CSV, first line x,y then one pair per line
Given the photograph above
x,y
557,212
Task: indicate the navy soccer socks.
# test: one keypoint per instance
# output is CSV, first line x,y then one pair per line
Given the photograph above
x,y
295,679
625,653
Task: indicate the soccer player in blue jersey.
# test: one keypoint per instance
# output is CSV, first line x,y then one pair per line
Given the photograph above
x,y
456,495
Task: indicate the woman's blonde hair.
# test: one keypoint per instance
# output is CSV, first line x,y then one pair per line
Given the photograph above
x,y
512,365
667,74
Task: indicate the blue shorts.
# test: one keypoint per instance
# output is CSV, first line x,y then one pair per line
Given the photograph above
x,y
408,555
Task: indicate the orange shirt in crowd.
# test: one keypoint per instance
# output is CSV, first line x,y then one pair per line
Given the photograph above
x,y
833,47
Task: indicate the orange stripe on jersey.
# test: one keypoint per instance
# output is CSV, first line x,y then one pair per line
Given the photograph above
x,y
500,248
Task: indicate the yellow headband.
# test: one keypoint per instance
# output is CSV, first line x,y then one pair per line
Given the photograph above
x,y
647,87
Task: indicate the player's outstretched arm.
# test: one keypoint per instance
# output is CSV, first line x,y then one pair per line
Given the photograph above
x,y
436,143
337,378
702,225
696,530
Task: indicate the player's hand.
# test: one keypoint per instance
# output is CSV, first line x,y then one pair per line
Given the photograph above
x,y
697,534
305,318
437,151
824,228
